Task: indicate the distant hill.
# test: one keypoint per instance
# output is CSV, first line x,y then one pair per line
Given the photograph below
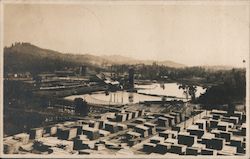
x,y
118,59
27,57
217,67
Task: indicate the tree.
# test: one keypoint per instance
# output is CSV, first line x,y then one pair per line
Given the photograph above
x,y
188,90
81,107
232,90
163,100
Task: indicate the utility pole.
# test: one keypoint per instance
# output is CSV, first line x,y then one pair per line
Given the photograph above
x,y
186,106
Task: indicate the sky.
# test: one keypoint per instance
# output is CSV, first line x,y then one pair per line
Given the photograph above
x,y
188,34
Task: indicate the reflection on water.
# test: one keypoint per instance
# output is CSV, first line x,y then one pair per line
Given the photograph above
x,y
162,86
122,97
167,89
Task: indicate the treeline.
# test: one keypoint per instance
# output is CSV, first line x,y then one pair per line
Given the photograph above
x,y
223,86
15,62
232,90
160,72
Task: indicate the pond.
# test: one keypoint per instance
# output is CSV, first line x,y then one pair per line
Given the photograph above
x,y
167,89
152,92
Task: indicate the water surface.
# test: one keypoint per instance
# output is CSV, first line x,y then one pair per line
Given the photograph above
x,y
152,92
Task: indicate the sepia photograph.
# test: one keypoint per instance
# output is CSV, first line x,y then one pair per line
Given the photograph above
x,y
124,79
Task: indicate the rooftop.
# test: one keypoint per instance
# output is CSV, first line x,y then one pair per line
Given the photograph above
x,y
89,129
142,127
132,133
208,136
169,116
149,124
193,127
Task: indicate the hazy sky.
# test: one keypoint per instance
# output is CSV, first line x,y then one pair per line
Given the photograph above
x,y
189,34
